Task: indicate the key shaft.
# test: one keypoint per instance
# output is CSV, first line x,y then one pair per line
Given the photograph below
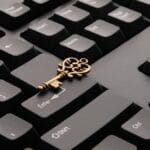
x,y
52,83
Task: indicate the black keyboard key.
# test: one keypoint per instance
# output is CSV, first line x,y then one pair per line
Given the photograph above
x,y
14,14
3,69
142,5
48,107
114,143
15,132
79,46
45,33
97,8
85,122
73,18
107,35
139,125
145,68
9,96
130,21
15,51
119,69
37,70
16,10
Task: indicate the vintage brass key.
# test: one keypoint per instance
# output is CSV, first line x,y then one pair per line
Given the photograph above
x,y
71,67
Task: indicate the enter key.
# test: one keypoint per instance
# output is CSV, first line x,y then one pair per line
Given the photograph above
x,y
50,107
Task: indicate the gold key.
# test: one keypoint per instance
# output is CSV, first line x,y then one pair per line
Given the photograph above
x,y
71,67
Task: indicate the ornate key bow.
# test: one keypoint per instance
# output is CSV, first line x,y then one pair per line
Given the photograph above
x,y
71,67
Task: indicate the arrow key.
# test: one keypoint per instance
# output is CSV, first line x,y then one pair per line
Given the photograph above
x,y
15,51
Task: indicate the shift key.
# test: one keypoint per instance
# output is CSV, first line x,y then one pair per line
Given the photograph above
x,y
85,122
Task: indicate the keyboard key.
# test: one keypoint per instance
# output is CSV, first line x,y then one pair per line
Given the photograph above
x,y
14,51
39,69
9,96
107,36
45,33
48,107
145,68
139,125
142,5
14,15
15,132
16,10
114,143
85,122
119,69
98,8
130,21
73,18
3,69
79,46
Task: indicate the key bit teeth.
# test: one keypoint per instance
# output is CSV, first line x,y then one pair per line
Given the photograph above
x,y
56,85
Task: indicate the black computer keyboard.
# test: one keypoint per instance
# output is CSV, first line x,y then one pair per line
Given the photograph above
x,y
106,110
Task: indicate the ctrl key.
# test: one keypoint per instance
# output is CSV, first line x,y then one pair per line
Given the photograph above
x,y
15,132
139,126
